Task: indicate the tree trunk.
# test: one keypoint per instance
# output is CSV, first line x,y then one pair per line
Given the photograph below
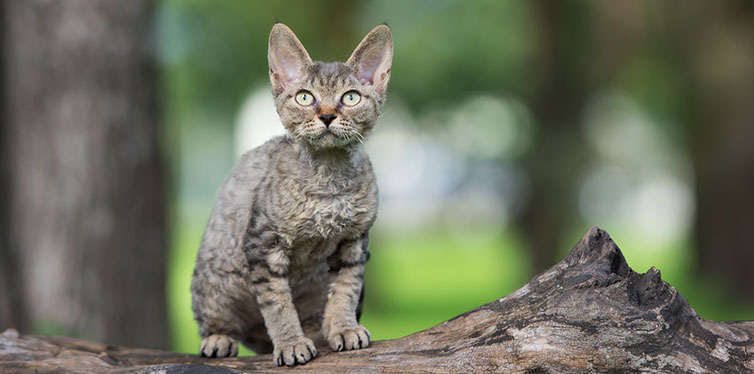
x,y
718,56
589,313
86,205
6,313
581,46
560,81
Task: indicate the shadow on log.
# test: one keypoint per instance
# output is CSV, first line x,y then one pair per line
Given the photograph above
x,y
588,313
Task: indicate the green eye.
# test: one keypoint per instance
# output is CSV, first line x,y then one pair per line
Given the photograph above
x,y
304,98
351,98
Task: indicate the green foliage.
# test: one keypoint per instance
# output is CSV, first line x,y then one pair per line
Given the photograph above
x,y
215,51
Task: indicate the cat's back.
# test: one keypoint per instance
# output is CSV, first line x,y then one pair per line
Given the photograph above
x,y
234,200
253,165
249,171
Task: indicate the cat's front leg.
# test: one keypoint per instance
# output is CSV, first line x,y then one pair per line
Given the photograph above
x,y
339,325
273,295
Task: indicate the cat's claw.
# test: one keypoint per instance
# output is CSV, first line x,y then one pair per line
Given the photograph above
x,y
349,338
218,346
298,350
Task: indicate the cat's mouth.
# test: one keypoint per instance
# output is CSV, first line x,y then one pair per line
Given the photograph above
x,y
328,138
335,135
325,133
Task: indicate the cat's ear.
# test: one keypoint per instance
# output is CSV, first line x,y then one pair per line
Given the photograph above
x,y
287,57
373,57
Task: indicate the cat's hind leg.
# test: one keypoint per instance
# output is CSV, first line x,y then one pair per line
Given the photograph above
x,y
216,312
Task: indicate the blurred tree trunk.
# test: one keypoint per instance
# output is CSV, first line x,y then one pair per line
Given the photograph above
x,y
558,98
581,47
86,204
6,317
11,302
718,55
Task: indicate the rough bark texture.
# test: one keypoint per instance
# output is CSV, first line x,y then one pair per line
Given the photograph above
x,y
85,203
589,313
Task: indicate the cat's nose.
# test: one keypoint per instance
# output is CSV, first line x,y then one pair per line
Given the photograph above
x,y
327,118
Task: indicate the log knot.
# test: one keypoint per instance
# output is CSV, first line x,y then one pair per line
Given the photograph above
x,y
596,248
648,289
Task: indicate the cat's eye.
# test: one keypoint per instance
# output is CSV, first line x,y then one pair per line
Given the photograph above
x,y
351,98
304,98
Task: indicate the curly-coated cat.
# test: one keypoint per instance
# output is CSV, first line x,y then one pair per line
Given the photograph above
x,y
281,264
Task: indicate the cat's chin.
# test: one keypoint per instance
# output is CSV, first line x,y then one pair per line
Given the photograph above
x,y
328,141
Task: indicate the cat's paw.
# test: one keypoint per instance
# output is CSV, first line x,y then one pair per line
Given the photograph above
x,y
218,346
299,350
347,338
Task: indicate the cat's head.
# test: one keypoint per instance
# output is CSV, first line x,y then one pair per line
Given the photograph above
x,y
327,105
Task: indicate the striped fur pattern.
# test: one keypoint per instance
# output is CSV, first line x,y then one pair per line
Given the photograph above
x,y
281,264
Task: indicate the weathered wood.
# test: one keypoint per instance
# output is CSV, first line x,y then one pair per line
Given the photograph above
x,y
589,313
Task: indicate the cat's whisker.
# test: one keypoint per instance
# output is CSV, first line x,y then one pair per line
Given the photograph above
x,y
359,137
383,113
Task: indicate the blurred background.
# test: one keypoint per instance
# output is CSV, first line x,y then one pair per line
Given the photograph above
x,y
510,128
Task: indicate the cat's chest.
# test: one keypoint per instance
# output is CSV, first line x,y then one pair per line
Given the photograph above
x,y
314,208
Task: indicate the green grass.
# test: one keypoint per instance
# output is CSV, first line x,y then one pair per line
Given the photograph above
x,y
417,281
184,331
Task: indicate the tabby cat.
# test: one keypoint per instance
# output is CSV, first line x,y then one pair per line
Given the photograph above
x,y
281,264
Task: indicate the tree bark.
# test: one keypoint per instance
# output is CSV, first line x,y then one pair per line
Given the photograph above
x,y
589,313
85,203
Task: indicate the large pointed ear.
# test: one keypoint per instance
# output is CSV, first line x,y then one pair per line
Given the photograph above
x,y
286,56
373,57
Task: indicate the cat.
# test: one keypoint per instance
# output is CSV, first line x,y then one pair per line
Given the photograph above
x,y
281,264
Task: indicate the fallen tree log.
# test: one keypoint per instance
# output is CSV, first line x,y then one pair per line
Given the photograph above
x,y
589,313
